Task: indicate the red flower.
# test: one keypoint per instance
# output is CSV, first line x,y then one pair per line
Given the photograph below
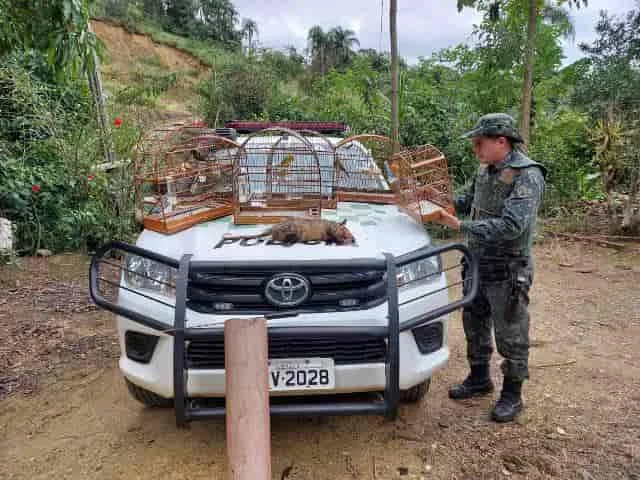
x,y
117,122
35,188
90,178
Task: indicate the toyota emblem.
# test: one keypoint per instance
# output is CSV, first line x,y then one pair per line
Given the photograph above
x,y
287,290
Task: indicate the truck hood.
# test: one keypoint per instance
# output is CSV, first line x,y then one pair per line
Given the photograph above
x,y
377,229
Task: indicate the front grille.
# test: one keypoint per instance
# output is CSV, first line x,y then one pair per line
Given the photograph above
x,y
209,352
245,292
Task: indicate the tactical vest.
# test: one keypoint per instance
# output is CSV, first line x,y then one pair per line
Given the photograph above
x,y
491,190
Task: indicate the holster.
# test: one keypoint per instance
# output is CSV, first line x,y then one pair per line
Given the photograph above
x,y
497,269
519,289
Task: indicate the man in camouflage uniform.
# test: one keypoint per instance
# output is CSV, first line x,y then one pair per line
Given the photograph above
x,y
503,201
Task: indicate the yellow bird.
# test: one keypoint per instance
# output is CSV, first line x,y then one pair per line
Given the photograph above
x,y
285,164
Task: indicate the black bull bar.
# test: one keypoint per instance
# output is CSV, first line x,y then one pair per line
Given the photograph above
x,y
186,411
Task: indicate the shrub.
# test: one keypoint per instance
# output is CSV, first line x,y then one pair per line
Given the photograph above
x,y
49,146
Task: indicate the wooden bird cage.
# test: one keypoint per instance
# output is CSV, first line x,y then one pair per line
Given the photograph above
x,y
162,138
423,185
277,175
154,141
360,160
181,184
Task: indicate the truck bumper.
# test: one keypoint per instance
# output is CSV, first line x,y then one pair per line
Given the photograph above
x,y
157,375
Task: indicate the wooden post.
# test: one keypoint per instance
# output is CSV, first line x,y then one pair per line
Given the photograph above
x,y
95,85
247,399
395,127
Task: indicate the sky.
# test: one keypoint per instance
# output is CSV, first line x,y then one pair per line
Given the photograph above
x,y
423,26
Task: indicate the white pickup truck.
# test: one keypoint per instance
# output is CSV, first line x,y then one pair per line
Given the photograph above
x,y
343,319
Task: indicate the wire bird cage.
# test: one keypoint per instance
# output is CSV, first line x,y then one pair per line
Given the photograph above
x,y
278,174
184,179
360,160
423,186
326,153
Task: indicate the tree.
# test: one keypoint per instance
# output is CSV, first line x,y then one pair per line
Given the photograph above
x,y
318,44
241,89
249,29
379,61
180,16
493,67
59,28
333,49
219,19
153,8
609,91
294,56
535,9
341,42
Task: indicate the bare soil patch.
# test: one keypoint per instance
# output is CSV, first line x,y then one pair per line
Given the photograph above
x,y
66,412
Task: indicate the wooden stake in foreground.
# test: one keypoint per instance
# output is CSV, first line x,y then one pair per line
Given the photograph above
x,y
247,399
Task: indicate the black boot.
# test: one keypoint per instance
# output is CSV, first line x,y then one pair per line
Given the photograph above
x,y
509,405
478,383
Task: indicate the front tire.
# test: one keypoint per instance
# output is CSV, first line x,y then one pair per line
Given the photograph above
x,y
148,398
415,393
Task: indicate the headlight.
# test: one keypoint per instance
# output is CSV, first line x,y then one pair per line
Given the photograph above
x,y
426,269
144,274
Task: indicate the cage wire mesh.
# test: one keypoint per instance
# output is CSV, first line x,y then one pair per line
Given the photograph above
x,y
277,175
184,179
360,161
153,141
423,186
326,153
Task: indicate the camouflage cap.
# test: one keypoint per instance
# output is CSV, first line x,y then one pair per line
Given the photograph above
x,y
496,125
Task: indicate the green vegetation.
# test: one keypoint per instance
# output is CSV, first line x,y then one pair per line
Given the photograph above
x,y
584,117
207,53
205,28
49,144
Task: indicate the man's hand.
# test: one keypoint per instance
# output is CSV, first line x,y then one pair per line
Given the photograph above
x,y
449,220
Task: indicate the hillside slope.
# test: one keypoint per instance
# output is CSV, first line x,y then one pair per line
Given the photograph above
x,y
156,75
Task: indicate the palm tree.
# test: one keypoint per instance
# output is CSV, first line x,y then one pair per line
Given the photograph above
x,y
549,9
318,43
341,42
331,49
249,29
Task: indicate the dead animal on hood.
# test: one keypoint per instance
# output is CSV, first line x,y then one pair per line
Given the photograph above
x,y
304,230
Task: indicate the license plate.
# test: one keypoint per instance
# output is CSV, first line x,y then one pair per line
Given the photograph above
x,y
301,374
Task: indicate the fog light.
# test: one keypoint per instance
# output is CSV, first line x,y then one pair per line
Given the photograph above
x,y
349,302
223,306
139,346
429,337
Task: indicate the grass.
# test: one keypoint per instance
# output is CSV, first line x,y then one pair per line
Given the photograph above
x,y
207,53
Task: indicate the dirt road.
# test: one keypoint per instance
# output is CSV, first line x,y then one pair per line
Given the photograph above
x,y
65,411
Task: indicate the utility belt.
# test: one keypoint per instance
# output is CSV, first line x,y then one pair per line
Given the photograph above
x,y
498,268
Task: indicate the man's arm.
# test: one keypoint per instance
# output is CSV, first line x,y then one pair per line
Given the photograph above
x,y
463,200
520,210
